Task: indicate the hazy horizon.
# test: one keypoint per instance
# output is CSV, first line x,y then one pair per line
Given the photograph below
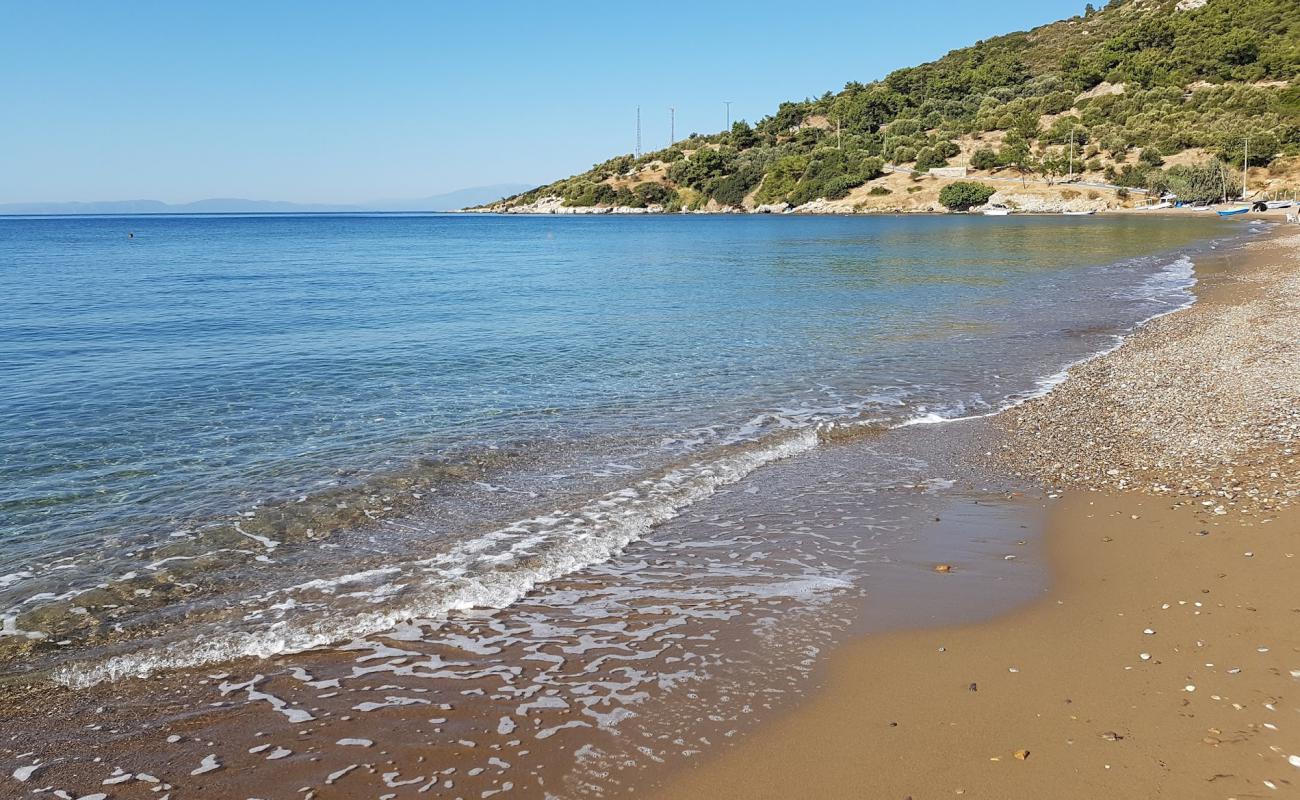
x,y
443,201
337,105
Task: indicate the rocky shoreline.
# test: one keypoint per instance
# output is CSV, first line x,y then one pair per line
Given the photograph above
x,y
1023,202
1203,404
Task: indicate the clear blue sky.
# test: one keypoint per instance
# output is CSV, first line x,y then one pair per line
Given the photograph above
x,y
348,101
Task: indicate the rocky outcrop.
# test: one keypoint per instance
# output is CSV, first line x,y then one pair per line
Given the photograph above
x,y
823,206
555,205
1027,203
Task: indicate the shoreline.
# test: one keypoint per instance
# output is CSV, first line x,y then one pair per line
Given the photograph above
x,y
1032,202
1072,683
107,664
939,599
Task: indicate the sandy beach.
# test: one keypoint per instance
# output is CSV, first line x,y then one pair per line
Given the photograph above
x,y
1164,661
725,605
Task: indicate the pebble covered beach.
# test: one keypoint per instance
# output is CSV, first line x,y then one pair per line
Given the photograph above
x,y
1202,405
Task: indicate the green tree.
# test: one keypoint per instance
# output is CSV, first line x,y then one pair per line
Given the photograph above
x,y
704,165
965,195
742,136
984,158
929,158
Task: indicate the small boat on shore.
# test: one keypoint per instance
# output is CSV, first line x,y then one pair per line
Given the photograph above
x,y
1232,212
1273,205
996,211
1079,213
1156,206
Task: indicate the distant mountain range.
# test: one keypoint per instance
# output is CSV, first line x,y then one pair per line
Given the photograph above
x,y
450,201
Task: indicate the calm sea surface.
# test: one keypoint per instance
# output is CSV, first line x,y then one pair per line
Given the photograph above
x,y
282,431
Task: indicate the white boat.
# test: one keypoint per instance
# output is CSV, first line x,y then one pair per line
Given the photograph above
x,y
1079,213
1156,207
1273,205
996,211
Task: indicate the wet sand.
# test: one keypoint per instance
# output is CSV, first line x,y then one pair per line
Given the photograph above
x,y
944,712
715,628
1165,661
598,684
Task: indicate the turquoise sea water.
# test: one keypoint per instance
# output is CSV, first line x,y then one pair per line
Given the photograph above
x,y
210,410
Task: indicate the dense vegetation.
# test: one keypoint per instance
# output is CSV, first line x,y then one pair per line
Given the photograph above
x,y
965,195
1114,92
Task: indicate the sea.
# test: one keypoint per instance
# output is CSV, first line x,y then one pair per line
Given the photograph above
x,y
604,485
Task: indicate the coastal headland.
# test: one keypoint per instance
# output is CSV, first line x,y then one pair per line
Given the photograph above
x,y
1137,103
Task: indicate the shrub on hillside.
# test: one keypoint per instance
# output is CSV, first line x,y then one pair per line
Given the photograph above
x,y
965,195
704,165
840,186
984,158
902,155
929,158
652,194
1151,157
730,190
1264,148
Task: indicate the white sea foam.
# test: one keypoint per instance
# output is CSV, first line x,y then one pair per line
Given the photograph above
x,y
498,568
510,562
1171,287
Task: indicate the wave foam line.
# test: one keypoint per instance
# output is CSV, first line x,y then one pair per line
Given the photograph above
x,y
1178,276
597,531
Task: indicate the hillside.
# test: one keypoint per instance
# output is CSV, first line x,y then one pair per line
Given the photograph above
x,y
1144,95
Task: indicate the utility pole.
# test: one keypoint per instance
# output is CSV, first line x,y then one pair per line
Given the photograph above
x,y
1245,169
1071,178
839,135
727,103
638,131
672,125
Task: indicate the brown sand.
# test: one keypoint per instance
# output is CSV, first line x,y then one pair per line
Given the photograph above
x,y
1057,700
898,716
